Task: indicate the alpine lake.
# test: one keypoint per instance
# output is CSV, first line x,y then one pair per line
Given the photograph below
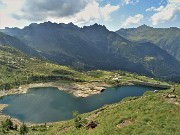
x,y
49,104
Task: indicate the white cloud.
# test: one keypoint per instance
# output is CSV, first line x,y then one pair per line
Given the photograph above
x,y
150,9
2,4
9,7
16,15
107,10
174,1
166,13
39,10
155,9
126,2
91,13
131,20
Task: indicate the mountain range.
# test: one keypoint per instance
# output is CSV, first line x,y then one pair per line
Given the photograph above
x,y
166,38
95,47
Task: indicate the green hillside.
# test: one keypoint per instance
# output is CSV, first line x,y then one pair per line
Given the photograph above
x,y
154,113
7,40
17,69
151,57
95,47
166,38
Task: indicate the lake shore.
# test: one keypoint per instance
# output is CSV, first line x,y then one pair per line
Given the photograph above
x,y
80,89
4,117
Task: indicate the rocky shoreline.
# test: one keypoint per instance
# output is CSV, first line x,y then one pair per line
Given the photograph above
x,y
77,89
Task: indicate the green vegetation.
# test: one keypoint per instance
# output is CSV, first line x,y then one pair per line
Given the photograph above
x,y
166,38
8,125
78,121
23,129
95,47
17,69
153,113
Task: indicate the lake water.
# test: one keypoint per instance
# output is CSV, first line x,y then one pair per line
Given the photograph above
x,y
40,105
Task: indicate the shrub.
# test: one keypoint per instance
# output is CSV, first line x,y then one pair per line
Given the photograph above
x,y
77,119
7,124
23,129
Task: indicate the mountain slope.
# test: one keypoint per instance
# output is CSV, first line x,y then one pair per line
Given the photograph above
x,y
166,38
17,69
152,58
148,55
95,47
71,45
10,41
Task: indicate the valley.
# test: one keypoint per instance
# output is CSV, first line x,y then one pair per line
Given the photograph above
x,y
89,67
32,72
70,45
133,67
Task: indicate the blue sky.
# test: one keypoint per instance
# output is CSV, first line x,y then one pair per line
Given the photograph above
x,y
114,14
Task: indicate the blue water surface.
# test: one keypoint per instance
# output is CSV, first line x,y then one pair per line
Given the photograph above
x,y
40,105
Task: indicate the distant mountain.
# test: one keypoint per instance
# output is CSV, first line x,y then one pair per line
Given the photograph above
x,y
166,38
95,47
10,41
71,45
153,58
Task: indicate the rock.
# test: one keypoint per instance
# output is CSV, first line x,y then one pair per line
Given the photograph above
x,y
171,96
102,90
155,91
92,124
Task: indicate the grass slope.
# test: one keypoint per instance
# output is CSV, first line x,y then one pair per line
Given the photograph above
x,y
17,69
166,38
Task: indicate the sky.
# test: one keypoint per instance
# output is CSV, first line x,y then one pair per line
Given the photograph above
x,y
114,14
